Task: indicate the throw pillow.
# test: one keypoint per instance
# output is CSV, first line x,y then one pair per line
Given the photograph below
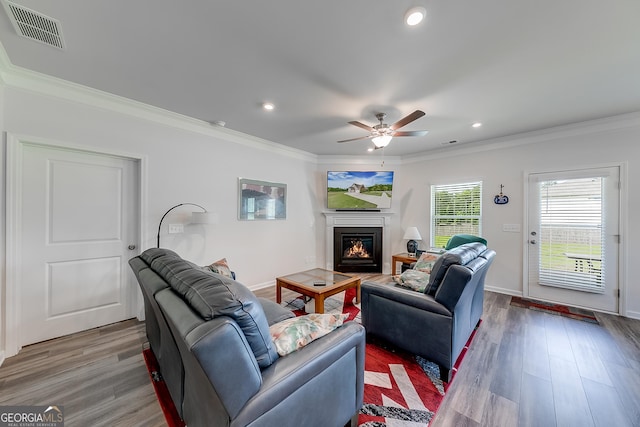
x,y
220,267
293,334
415,280
425,262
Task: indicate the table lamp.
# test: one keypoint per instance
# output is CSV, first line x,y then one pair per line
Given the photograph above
x,y
412,234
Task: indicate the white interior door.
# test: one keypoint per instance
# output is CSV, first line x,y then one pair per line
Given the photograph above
x,y
78,225
574,238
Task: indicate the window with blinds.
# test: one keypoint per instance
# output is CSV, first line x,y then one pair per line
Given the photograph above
x,y
572,234
455,209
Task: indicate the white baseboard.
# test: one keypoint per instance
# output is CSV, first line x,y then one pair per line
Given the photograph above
x,y
262,285
503,291
1,357
633,315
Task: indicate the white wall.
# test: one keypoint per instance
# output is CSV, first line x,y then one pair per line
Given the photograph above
x,y
368,162
187,161
200,166
608,141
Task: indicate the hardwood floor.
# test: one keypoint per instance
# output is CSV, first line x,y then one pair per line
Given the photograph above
x,y
98,376
524,368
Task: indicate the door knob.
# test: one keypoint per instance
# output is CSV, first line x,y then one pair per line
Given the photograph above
x,y
131,247
533,242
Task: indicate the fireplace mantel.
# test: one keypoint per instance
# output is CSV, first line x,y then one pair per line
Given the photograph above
x,y
359,219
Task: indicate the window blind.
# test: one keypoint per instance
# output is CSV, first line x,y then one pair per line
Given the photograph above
x,y
572,234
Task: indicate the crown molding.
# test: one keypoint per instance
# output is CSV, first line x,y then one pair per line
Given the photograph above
x,y
24,79
360,160
606,124
31,81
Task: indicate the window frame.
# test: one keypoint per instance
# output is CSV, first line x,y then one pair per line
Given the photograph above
x,y
463,186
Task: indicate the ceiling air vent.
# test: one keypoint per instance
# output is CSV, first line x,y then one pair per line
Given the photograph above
x,y
35,26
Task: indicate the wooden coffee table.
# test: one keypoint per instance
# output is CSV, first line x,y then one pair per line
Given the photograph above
x,y
318,284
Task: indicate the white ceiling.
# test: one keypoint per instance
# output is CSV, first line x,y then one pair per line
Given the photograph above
x,y
513,65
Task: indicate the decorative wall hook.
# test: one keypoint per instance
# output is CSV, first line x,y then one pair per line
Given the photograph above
x,y
501,199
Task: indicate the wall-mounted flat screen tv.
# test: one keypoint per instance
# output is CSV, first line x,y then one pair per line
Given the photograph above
x,y
356,190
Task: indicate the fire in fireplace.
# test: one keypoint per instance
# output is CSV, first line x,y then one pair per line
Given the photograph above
x,y
358,249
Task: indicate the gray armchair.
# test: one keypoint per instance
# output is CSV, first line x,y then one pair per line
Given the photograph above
x,y
435,324
210,335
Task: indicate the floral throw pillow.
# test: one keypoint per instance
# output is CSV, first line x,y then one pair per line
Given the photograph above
x,y
415,280
293,334
221,267
425,262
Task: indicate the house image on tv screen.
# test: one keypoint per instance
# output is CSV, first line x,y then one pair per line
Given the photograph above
x,y
357,188
349,190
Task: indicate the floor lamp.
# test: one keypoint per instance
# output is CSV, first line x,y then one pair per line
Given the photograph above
x,y
196,217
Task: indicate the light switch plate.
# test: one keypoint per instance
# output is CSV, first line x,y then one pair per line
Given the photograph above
x,y
176,228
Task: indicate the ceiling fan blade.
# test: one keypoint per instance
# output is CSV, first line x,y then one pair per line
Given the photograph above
x,y
355,139
410,133
362,125
406,120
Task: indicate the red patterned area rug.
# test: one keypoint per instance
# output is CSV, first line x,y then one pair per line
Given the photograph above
x,y
162,392
400,389
558,309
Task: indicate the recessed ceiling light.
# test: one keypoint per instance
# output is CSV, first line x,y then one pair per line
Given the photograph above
x,y
268,106
415,15
476,125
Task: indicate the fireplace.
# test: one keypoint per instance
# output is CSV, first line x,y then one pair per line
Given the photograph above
x,y
357,249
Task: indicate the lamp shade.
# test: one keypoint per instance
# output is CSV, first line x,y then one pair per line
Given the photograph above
x,y
381,140
204,218
412,233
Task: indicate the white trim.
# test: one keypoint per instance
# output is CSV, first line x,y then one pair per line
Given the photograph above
x,y
623,250
632,314
623,222
622,121
359,160
15,144
13,224
35,82
263,285
504,291
359,219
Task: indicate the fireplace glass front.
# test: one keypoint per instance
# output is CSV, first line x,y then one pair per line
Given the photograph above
x,y
358,249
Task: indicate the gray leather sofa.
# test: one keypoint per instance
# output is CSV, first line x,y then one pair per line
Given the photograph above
x,y
210,336
435,324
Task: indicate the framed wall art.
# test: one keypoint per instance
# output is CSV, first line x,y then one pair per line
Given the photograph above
x,y
259,200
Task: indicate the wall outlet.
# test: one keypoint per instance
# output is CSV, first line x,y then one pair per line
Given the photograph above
x,y
176,228
511,228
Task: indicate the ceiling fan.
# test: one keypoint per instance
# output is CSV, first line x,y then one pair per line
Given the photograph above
x,y
382,133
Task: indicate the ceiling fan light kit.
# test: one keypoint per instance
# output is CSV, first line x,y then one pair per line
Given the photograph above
x,y
381,141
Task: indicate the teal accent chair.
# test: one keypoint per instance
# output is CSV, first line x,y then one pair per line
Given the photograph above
x,y
460,239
